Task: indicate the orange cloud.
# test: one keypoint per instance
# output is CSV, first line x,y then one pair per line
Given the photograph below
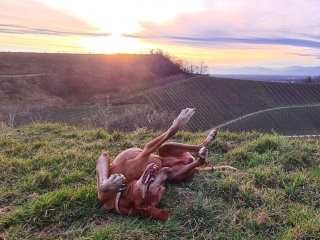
x,y
32,14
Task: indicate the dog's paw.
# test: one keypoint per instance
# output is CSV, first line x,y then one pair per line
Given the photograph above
x,y
203,153
212,135
184,117
115,178
113,182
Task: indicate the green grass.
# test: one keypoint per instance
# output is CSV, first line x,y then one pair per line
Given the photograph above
x,y
48,190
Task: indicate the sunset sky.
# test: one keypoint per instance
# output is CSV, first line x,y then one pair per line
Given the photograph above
x,y
267,33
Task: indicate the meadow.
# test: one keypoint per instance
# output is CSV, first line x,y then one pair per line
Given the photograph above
x,y
48,187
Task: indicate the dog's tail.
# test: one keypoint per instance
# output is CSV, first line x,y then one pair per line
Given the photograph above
x,y
224,167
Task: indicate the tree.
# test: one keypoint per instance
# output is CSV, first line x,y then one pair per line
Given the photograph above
x,y
10,114
38,114
186,66
202,68
311,80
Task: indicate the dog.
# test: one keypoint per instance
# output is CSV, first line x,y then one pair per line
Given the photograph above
x,y
133,183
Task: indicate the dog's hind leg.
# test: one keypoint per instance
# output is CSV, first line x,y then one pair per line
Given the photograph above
x,y
182,172
182,150
180,121
211,136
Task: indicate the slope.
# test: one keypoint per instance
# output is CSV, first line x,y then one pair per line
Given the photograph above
x,y
291,120
220,100
58,79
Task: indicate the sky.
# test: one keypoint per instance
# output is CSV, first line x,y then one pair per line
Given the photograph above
x,y
222,33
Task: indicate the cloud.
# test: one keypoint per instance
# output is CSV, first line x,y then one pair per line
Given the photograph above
x,y
17,29
36,16
291,23
226,40
314,54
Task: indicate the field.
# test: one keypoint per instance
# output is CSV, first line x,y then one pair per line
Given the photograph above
x,y
77,116
221,100
47,188
234,105
301,120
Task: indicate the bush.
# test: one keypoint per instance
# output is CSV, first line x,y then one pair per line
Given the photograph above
x,y
149,119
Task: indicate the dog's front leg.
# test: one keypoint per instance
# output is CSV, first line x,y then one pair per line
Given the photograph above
x,y
104,182
113,182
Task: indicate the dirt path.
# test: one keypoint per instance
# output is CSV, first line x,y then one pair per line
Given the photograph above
x,y
255,113
303,136
24,75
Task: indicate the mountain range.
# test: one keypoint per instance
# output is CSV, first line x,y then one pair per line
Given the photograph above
x,y
295,70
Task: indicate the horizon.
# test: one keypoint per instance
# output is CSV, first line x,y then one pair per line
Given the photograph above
x,y
222,33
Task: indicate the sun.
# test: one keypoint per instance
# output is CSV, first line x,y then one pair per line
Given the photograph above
x,y
119,18
117,42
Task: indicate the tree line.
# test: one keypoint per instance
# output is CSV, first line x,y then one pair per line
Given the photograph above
x,y
309,79
190,67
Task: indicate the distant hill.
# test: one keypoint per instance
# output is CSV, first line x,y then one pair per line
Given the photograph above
x,y
59,79
81,81
294,71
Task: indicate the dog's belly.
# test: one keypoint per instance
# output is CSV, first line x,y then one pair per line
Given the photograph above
x,y
130,165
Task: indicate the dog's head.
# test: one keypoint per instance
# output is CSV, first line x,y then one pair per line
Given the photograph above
x,y
149,191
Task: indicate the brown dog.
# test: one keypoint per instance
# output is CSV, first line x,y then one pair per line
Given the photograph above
x,y
133,186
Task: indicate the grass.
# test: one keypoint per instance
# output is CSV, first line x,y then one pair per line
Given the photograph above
x,y
48,190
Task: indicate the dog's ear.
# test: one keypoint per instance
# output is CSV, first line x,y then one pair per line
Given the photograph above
x,y
155,213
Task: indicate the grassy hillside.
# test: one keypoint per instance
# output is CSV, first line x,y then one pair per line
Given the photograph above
x,y
47,188
68,88
58,79
77,115
219,100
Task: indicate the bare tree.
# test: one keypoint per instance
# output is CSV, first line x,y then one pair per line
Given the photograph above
x,y
186,66
10,115
159,51
202,68
2,123
38,114
101,118
183,64
192,68
309,79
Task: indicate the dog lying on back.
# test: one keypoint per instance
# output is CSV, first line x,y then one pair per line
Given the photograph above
x,y
133,183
